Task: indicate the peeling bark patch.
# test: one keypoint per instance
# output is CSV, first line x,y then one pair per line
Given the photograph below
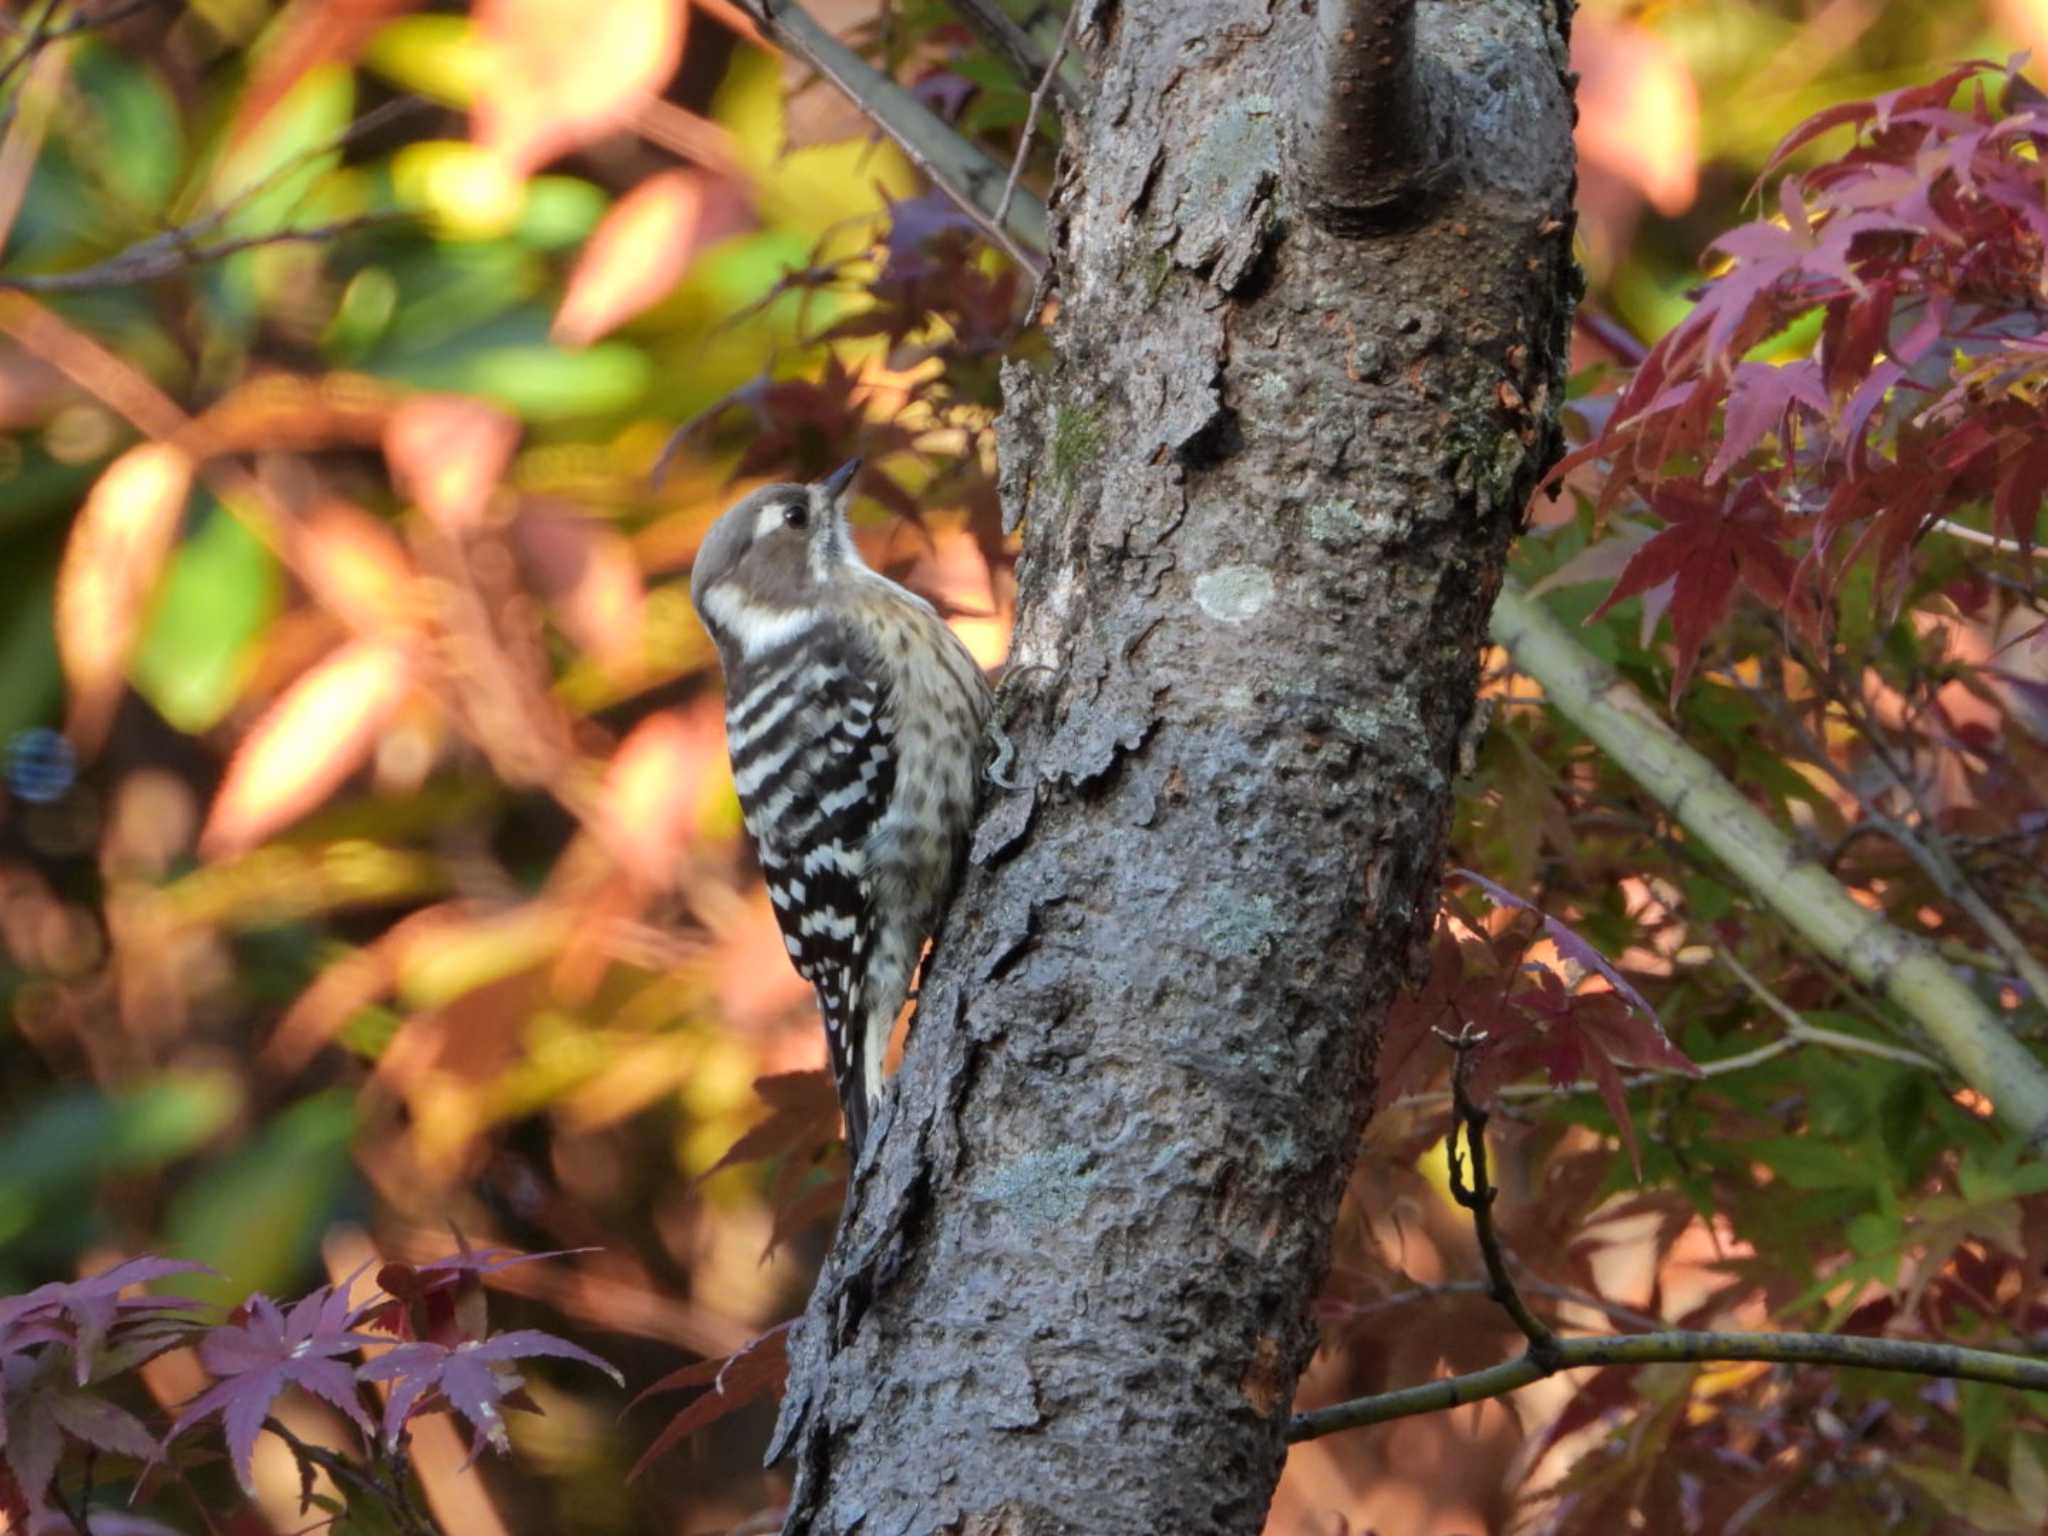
x,y
1268,1377
1234,593
1225,209
1004,825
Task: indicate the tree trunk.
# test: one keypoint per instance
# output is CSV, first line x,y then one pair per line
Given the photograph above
x,y
1306,371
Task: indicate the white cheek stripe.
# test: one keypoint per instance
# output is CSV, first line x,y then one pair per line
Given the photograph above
x,y
752,628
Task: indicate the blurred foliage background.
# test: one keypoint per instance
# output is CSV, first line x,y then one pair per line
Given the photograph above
x,y
369,864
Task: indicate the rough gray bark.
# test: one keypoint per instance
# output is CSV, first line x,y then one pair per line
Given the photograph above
x,y
1268,484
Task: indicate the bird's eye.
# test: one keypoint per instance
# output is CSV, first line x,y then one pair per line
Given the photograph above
x,y
797,514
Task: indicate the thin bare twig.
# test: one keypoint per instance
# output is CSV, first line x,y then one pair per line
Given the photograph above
x,y
174,251
1799,1032
1478,1197
958,168
1956,530
1641,1322
1678,1346
1021,46
1547,1354
1031,115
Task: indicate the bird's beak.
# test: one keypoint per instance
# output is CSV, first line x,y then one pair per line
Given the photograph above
x,y
835,484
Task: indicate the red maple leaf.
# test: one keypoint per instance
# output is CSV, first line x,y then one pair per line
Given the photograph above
x,y
1709,547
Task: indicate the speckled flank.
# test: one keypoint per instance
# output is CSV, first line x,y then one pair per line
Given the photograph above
x,y
940,712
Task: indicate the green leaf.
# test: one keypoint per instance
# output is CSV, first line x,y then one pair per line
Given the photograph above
x,y
1805,1162
257,1217
135,144
61,1148
560,212
31,683
1986,1413
437,56
220,593
539,381
1983,1507
268,176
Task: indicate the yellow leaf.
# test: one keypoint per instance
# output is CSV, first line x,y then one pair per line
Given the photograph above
x,y
652,789
567,72
355,566
117,551
312,738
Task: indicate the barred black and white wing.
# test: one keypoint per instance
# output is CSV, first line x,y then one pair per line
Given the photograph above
x,y
812,734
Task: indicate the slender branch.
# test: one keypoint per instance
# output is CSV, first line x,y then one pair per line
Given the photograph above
x,y
1641,1322
1364,135
1611,334
1956,884
1031,116
174,251
1023,46
1898,965
960,169
1956,530
391,1497
1478,1197
1548,1354
1799,1032
1685,1347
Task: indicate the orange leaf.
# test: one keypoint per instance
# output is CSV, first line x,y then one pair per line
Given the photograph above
x,y
634,258
568,72
589,575
1639,111
651,792
117,550
448,453
311,739
312,33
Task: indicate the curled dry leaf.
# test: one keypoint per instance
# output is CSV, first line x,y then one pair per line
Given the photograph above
x,y
638,253
652,789
315,736
567,72
117,550
448,453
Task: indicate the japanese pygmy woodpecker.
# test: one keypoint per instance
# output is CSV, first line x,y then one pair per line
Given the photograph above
x,y
855,721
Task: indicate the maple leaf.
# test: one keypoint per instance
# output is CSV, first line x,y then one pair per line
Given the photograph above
x,y
757,1367
1763,398
803,1118
81,1314
442,1300
41,1408
475,1378
1708,548
1572,1033
260,1351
